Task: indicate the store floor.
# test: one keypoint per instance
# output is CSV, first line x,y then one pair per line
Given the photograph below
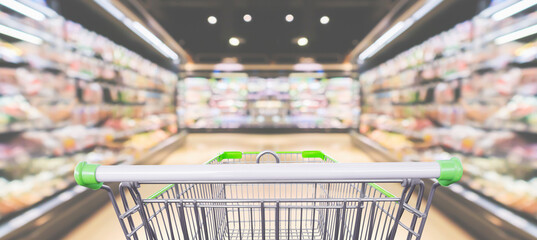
x,y
201,147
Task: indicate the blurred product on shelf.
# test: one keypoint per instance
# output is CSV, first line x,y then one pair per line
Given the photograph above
x,y
75,96
463,93
248,102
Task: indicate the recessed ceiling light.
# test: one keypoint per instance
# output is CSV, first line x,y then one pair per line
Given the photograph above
x,y
247,17
325,20
289,18
233,41
302,41
212,20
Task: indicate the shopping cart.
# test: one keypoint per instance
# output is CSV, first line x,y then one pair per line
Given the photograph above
x,y
301,196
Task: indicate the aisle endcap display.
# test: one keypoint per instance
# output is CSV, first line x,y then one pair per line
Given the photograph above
x,y
450,171
85,175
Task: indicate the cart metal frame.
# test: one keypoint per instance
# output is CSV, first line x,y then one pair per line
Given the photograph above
x,y
301,196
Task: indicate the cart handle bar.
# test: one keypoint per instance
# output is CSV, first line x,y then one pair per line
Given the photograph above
x,y
261,154
93,175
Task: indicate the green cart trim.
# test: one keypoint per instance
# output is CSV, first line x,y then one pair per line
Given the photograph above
x,y
212,159
85,175
382,190
314,154
161,191
230,155
450,171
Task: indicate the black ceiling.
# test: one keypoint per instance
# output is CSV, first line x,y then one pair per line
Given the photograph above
x,y
268,37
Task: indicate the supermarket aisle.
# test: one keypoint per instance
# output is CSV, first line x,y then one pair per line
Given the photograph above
x,y
201,147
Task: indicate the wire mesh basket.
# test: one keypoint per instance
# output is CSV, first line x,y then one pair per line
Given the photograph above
x,y
274,195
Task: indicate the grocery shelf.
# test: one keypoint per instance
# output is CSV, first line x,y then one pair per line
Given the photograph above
x,y
18,25
128,133
516,127
479,215
407,133
29,126
252,102
56,215
525,22
423,84
481,109
71,98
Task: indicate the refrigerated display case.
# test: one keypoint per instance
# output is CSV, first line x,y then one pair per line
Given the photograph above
x,y
67,95
356,102
319,102
254,103
268,103
213,103
467,92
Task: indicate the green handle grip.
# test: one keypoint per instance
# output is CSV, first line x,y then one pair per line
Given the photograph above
x,y
450,171
85,175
